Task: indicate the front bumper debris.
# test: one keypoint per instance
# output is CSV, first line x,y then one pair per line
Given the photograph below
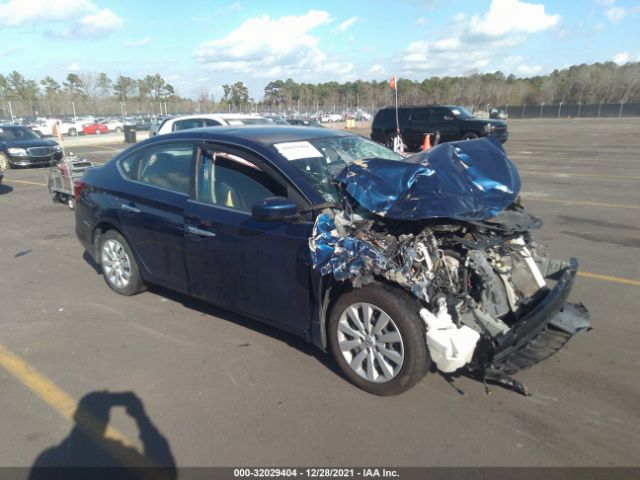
x,y
538,334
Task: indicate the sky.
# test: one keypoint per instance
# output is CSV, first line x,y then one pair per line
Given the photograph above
x,y
199,45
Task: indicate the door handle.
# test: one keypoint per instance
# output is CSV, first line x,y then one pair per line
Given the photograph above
x,y
199,231
129,208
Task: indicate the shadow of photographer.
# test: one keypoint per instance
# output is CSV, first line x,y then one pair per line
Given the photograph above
x,y
93,444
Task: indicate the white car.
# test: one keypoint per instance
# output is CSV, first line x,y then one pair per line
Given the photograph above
x,y
113,125
186,122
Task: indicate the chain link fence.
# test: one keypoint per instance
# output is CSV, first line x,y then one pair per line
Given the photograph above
x,y
597,110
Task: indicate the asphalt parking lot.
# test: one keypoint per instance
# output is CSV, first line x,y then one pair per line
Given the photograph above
x,y
224,390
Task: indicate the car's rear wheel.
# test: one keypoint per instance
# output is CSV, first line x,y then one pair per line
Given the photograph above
x,y
4,162
119,266
98,132
377,338
119,129
72,132
469,136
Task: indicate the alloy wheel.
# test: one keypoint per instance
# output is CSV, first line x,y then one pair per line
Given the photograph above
x,y
116,264
370,342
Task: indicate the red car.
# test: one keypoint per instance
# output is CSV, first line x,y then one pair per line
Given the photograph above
x,y
94,129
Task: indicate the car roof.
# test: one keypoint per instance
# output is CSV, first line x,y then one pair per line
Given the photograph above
x,y
223,116
263,134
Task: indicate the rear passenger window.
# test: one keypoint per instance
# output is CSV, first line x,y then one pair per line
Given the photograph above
x,y
187,124
421,115
211,123
167,166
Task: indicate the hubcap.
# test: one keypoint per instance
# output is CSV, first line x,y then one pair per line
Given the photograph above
x,y
370,342
116,264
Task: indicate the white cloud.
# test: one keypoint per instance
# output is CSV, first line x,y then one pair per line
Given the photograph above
x,y
273,47
95,25
23,12
506,17
137,43
476,42
528,70
421,21
615,14
346,24
377,70
74,67
606,3
625,57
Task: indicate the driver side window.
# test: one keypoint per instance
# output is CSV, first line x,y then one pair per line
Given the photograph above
x,y
230,181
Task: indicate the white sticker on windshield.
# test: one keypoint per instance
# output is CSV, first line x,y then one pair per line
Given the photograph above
x,y
455,111
296,150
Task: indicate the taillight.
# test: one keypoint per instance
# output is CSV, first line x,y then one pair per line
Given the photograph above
x,y
78,187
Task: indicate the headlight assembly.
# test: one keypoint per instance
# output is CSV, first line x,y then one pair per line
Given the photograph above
x,y
19,152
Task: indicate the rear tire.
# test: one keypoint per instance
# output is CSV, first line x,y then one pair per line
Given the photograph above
x,y
72,132
71,202
119,266
378,339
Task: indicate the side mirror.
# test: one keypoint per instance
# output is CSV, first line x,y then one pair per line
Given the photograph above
x,y
273,208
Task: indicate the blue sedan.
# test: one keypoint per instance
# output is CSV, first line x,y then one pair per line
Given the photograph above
x,y
306,229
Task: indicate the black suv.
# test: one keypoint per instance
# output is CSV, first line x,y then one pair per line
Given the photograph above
x,y
451,122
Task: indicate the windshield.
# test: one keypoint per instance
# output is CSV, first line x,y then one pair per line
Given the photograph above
x,y
462,112
8,134
321,159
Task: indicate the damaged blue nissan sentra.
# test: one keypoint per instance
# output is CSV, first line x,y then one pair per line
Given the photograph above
x,y
396,265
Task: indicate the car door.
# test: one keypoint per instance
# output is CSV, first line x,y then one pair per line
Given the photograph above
x,y
151,209
417,125
443,121
259,268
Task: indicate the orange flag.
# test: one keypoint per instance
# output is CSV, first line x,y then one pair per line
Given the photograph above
x,y
392,83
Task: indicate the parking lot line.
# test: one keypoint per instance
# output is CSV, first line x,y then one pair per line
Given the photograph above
x,y
609,278
562,174
48,391
25,182
535,198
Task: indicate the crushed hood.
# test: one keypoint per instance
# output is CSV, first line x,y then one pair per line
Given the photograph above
x,y
467,180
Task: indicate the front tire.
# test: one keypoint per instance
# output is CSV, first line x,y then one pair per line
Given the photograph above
x,y
4,162
378,339
119,266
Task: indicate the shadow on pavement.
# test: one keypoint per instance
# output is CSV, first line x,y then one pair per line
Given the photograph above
x,y
239,319
5,189
88,451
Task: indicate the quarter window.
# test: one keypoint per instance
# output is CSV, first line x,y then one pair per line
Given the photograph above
x,y
167,166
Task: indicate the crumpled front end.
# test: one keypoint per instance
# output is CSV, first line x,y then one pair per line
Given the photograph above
x,y
492,304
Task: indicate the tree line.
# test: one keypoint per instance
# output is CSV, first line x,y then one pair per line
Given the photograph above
x,y
97,93
580,84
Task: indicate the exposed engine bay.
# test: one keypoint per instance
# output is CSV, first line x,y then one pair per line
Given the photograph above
x,y
492,303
